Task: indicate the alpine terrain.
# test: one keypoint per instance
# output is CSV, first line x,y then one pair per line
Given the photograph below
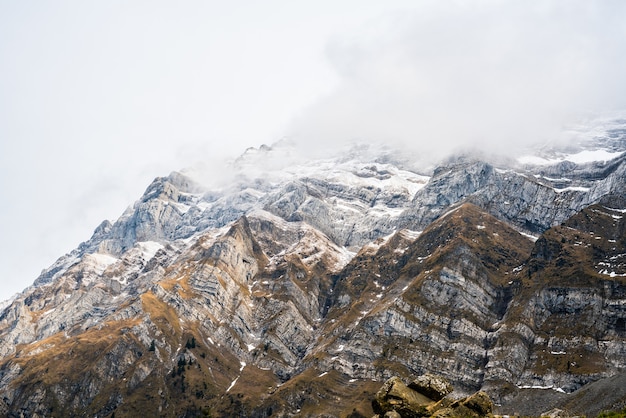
x,y
299,287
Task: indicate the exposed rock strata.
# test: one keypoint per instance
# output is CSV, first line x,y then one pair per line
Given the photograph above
x,y
299,297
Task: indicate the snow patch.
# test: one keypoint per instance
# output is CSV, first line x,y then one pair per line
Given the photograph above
x,y
180,207
582,157
542,387
100,262
149,248
572,189
589,156
410,234
518,269
449,212
562,179
529,236
232,384
615,210
611,273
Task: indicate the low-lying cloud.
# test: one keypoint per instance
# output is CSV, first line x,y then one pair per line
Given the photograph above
x,y
490,74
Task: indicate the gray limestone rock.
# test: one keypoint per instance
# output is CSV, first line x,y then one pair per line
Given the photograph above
x,y
255,271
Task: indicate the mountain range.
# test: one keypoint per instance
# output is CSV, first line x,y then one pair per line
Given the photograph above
x,y
297,287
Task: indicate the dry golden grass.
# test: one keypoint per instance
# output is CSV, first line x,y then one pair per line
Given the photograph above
x,y
180,285
318,394
36,315
161,314
60,357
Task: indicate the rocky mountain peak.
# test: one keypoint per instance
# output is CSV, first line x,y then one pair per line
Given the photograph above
x,y
302,287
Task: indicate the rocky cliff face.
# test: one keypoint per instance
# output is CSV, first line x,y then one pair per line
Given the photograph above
x,y
565,326
300,291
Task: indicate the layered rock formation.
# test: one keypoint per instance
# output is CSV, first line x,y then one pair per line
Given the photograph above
x,y
298,292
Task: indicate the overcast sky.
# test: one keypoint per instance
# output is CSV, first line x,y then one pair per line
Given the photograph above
x,y
98,98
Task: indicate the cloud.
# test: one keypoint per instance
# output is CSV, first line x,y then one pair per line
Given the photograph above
x,y
490,74
98,99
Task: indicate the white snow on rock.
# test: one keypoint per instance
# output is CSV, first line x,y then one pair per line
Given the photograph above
x,y
572,189
149,248
589,156
582,157
100,262
542,387
232,384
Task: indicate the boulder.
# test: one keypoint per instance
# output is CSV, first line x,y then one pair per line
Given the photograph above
x,y
397,400
433,386
479,403
394,395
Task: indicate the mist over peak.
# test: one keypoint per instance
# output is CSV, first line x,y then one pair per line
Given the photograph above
x,y
596,138
496,76
429,78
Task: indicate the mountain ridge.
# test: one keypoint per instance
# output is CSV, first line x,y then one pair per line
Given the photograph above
x,y
301,294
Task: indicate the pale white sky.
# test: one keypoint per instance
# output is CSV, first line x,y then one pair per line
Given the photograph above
x,y
98,98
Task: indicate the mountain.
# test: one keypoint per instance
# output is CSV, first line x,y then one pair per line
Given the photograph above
x,y
297,287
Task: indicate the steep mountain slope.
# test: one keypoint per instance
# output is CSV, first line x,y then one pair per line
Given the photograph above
x,y
532,201
427,305
299,290
565,327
